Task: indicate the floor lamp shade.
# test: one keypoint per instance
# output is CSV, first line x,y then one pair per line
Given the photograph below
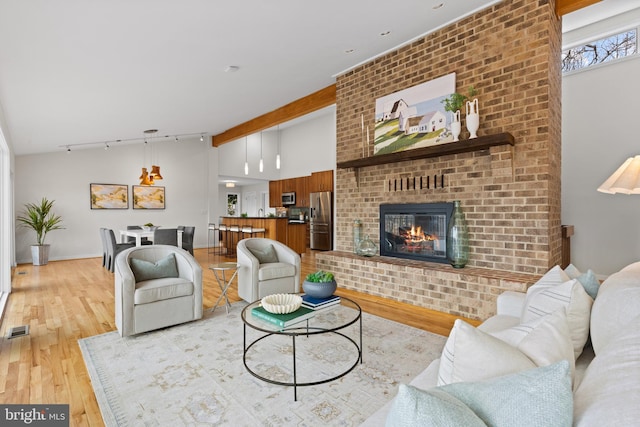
x,y
625,180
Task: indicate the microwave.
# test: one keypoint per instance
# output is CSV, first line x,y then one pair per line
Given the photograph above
x,y
288,199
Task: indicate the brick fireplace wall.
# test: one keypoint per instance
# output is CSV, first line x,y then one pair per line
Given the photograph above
x,y
511,195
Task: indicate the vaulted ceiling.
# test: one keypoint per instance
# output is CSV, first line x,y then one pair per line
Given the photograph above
x,y
78,72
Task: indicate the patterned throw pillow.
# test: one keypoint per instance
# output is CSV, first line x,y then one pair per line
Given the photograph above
x,y
555,291
535,397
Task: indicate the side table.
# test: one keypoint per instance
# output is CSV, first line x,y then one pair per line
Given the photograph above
x,y
223,283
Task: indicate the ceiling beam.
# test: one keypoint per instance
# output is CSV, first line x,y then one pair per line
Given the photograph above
x,y
310,103
567,6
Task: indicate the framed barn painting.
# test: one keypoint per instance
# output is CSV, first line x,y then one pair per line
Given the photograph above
x,y
148,197
414,117
109,196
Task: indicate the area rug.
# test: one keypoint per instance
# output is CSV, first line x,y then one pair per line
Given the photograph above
x,y
193,374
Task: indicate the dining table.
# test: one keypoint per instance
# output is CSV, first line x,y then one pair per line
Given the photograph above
x,y
140,233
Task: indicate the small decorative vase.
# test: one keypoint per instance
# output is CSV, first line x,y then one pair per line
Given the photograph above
x,y
366,247
473,118
319,289
457,238
456,126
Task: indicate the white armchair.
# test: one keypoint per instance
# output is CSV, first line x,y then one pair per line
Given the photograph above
x,y
266,267
152,291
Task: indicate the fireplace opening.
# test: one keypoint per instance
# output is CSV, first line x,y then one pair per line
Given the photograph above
x,y
415,230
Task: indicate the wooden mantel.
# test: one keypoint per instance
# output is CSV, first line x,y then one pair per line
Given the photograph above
x,y
466,146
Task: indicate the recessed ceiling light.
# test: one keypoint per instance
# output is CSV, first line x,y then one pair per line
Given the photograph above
x,y
231,69
437,6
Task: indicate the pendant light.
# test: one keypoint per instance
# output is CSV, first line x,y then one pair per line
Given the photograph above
x,y
261,166
246,163
278,155
147,178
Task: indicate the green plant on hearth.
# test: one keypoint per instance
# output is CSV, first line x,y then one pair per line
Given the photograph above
x,y
149,224
320,277
455,101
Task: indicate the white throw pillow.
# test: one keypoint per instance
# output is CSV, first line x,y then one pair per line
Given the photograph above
x,y
551,293
472,355
545,340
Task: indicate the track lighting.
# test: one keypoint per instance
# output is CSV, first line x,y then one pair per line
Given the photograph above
x,y
108,144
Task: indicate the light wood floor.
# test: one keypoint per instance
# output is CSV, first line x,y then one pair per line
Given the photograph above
x,y
68,300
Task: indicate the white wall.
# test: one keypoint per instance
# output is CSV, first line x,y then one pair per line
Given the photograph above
x,y
65,178
599,131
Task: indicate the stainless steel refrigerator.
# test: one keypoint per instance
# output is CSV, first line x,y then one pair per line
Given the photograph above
x,y
321,220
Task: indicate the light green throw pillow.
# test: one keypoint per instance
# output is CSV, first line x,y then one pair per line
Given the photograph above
x,y
264,255
588,280
145,270
415,407
536,397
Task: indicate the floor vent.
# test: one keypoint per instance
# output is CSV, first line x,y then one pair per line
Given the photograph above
x,y
18,331
22,272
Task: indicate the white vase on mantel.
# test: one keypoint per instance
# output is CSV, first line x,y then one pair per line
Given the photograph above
x,y
456,127
473,118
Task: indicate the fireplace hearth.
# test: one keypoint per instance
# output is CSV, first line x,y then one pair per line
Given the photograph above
x,y
415,231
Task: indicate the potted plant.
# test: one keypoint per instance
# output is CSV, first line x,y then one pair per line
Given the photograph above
x,y
38,216
320,284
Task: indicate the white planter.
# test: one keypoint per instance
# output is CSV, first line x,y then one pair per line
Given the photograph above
x,y
456,126
40,254
473,118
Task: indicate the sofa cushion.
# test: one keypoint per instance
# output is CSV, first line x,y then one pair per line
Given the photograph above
x,y
609,392
588,280
617,304
146,270
472,355
161,289
550,294
496,402
544,340
415,407
276,270
266,254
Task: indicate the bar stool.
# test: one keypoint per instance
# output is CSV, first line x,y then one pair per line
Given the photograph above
x,y
232,230
224,231
212,235
250,230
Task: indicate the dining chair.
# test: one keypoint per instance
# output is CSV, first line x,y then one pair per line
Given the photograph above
x,y
188,233
103,239
165,236
114,248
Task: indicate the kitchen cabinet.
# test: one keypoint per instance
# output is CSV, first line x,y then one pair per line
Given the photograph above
x,y
321,181
292,235
297,237
302,191
275,194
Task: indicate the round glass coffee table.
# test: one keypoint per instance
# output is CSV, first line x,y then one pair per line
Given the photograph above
x,y
272,366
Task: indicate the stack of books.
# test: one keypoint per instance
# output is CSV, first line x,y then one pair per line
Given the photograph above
x,y
283,320
319,303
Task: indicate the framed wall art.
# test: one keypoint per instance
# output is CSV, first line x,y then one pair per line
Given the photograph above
x,y
148,197
109,196
413,117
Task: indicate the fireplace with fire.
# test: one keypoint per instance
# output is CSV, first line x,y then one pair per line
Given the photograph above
x,y
415,231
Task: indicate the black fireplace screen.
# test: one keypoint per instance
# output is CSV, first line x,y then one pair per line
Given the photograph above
x,y
415,231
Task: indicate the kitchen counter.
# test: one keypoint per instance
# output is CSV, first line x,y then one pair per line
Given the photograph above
x,y
291,234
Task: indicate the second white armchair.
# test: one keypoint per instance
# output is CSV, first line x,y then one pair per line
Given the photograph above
x,y
266,267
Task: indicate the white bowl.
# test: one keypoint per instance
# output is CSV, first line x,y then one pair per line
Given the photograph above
x,y
281,303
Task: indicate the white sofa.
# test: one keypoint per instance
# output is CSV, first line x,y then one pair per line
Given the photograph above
x,y
605,378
